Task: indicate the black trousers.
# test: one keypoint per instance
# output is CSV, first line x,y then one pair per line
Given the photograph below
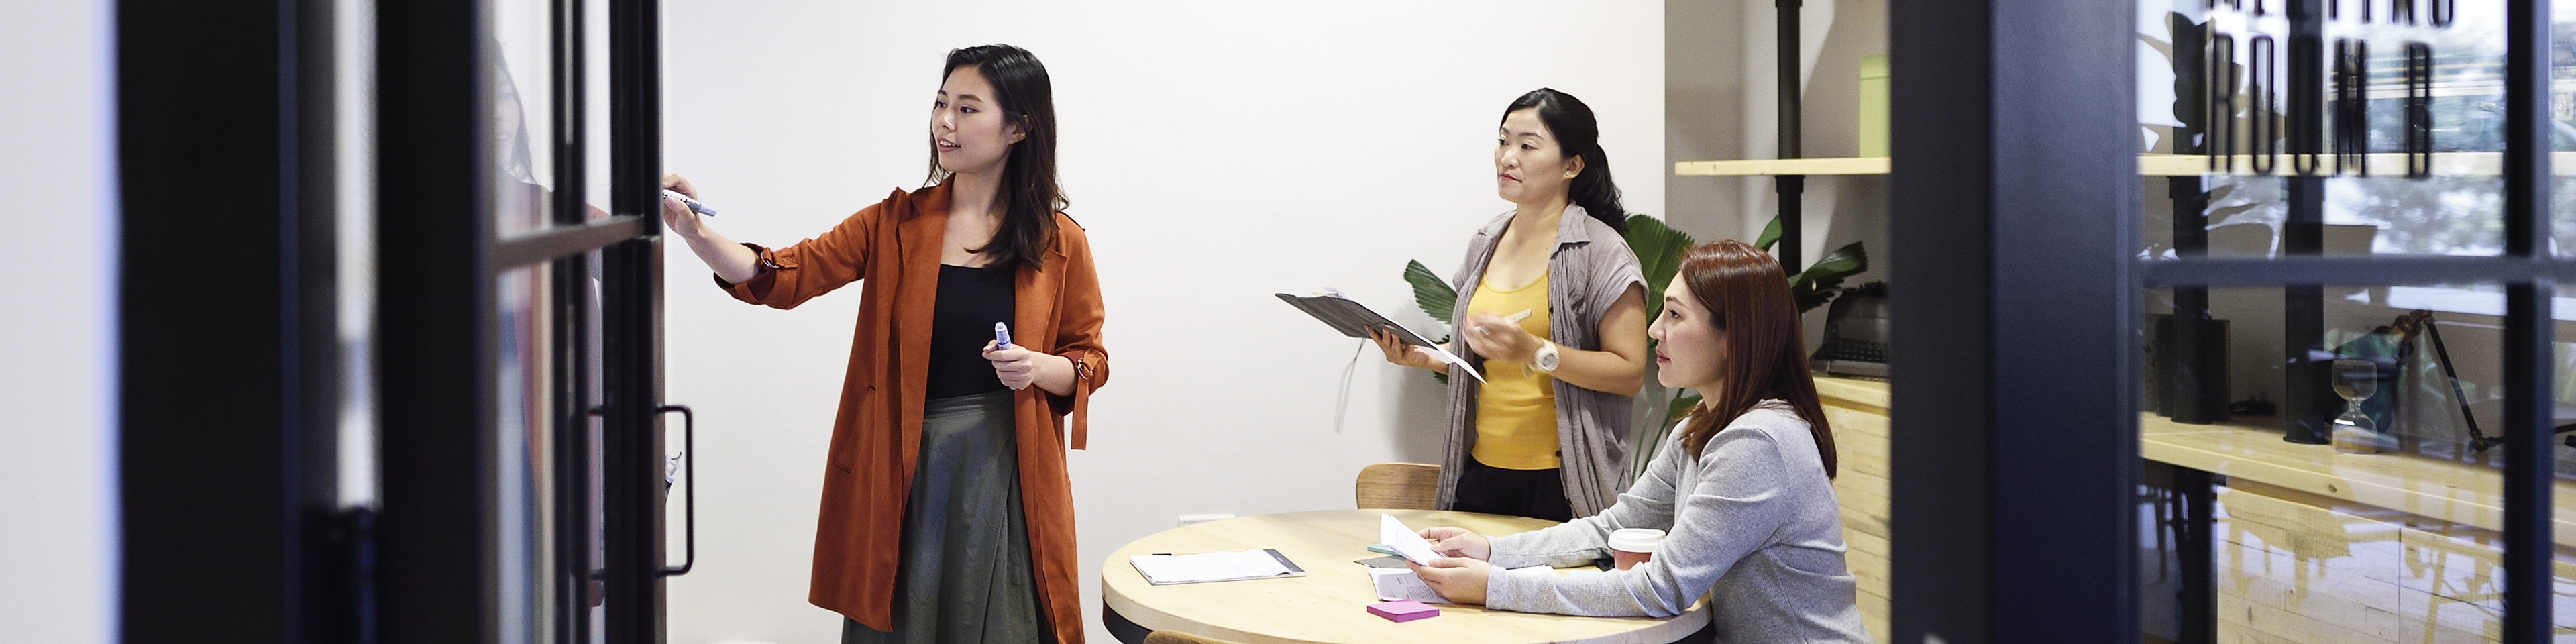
x,y
1529,493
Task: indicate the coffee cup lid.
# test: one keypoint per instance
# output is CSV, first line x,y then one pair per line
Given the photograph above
x,y
1636,539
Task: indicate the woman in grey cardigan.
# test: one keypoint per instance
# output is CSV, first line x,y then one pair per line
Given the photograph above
x,y
1744,490
1551,309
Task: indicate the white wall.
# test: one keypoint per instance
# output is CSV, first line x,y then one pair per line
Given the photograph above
x,y
1216,152
57,334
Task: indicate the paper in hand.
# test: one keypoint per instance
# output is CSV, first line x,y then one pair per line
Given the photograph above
x,y
1404,541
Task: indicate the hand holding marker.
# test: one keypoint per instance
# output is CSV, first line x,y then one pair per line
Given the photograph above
x,y
692,203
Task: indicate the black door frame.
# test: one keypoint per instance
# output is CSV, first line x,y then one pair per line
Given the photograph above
x,y
230,383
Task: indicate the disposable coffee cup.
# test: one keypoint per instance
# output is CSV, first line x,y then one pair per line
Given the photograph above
x,y
1631,546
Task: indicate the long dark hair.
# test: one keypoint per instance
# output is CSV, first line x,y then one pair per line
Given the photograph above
x,y
1023,93
1580,136
1748,300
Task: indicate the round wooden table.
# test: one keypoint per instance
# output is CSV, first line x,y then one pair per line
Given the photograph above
x,y
1330,604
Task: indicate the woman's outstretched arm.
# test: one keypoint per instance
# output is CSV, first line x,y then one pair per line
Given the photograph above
x,y
731,261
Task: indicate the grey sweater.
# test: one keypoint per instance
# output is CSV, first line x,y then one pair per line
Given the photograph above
x,y
1752,522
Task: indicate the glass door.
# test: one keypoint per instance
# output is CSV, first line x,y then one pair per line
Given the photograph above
x,y
525,451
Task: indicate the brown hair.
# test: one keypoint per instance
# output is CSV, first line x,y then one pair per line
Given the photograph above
x,y
1747,295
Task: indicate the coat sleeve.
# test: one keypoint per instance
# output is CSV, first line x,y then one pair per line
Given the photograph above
x,y
1079,315
790,276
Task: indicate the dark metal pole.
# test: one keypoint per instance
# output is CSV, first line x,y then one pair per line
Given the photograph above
x,y
2195,377
435,396
1792,188
2306,402
2528,328
631,444
2015,463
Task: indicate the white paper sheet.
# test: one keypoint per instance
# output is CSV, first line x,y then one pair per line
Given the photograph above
x,y
1404,541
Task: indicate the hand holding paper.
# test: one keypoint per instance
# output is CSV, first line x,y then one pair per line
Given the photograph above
x,y
1403,541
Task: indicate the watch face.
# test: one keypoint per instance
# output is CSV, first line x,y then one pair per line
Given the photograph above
x,y
1546,358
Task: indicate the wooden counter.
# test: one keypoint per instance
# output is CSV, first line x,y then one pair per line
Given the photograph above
x,y
2449,491
1857,410
2312,545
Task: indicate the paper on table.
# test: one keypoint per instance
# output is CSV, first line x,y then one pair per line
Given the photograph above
x,y
1404,541
1208,566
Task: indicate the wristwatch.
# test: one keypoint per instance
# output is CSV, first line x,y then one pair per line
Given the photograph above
x,y
1545,359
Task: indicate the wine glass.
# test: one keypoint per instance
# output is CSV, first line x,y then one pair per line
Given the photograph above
x,y
2355,381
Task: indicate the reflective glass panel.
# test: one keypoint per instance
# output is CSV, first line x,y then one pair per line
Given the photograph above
x,y
521,111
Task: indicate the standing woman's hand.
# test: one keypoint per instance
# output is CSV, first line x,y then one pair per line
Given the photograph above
x,y
676,216
1018,367
1405,355
1498,339
732,262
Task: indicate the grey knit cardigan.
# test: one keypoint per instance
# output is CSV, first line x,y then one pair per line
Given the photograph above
x,y
1589,270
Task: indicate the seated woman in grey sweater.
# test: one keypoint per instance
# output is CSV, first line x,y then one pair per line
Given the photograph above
x,y
1743,490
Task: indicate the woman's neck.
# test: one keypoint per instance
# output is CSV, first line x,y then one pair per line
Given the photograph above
x,y
1540,214
975,193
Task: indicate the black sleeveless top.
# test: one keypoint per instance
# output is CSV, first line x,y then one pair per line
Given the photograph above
x,y
970,301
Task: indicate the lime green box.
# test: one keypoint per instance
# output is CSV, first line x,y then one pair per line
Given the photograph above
x,y
1873,106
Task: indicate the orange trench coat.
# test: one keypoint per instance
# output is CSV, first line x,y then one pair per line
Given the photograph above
x,y
892,249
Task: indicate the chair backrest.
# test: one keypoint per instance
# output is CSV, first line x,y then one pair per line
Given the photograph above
x,y
1398,486
1177,637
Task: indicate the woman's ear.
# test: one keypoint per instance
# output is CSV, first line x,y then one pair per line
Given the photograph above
x,y
1573,167
1016,130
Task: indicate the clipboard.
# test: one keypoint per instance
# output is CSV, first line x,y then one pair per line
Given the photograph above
x,y
1351,317
1354,319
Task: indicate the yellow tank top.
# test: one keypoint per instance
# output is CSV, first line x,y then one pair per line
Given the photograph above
x,y
1516,407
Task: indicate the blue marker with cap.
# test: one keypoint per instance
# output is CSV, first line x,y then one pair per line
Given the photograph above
x,y
692,203
1001,335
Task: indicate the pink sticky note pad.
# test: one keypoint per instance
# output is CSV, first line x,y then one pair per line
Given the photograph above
x,y
1403,610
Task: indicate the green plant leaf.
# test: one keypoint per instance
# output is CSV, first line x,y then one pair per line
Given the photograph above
x,y
1659,255
1430,292
1817,285
1681,407
1770,234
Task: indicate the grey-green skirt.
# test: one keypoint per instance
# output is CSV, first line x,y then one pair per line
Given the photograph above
x,y
965,576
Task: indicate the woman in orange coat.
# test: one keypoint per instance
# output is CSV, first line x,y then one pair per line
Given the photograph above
x,y
947,515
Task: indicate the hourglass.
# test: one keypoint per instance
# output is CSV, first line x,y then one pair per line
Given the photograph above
x,y
2354,432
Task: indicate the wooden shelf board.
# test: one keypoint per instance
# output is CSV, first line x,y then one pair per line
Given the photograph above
x,y
1768,167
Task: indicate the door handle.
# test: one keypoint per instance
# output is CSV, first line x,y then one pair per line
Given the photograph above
x,y
689,451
